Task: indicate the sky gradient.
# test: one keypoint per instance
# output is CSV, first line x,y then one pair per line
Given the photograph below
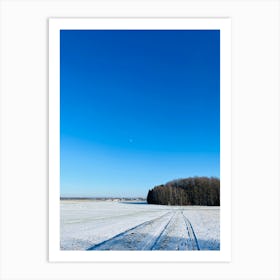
x,y
137,109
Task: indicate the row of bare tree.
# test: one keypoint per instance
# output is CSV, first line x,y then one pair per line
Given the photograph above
x,y
188,191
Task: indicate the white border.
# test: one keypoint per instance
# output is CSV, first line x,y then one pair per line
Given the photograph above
x,y
224,25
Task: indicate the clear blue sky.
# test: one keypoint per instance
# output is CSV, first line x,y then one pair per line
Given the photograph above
x,y
137,109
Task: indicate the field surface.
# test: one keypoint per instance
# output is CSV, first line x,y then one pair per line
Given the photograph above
x,y
112,225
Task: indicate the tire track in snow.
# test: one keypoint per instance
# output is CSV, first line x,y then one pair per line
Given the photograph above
x,y
171,231
192,240
157,241
140,237
177,235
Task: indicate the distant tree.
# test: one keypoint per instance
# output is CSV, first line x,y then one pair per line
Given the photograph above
x,y
187,191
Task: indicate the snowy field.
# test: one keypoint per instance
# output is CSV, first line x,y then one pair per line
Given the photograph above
x,y
112,225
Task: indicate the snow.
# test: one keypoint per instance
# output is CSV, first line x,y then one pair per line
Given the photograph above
x,y
113,225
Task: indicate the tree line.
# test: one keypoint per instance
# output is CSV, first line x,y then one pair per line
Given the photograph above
x,y
187,191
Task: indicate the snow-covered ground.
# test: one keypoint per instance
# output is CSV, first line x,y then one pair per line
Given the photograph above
x,y
112,225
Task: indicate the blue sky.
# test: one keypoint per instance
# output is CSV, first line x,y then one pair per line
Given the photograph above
x,y
137,109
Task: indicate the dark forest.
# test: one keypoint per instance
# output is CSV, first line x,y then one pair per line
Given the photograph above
x,y
188,191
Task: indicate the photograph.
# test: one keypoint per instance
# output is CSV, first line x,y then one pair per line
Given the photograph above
x,y
139,139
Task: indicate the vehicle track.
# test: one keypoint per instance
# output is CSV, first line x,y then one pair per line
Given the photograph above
x,y
140,237
170,231
177,235
192,240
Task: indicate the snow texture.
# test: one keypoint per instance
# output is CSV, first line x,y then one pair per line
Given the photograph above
x,y
113,225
